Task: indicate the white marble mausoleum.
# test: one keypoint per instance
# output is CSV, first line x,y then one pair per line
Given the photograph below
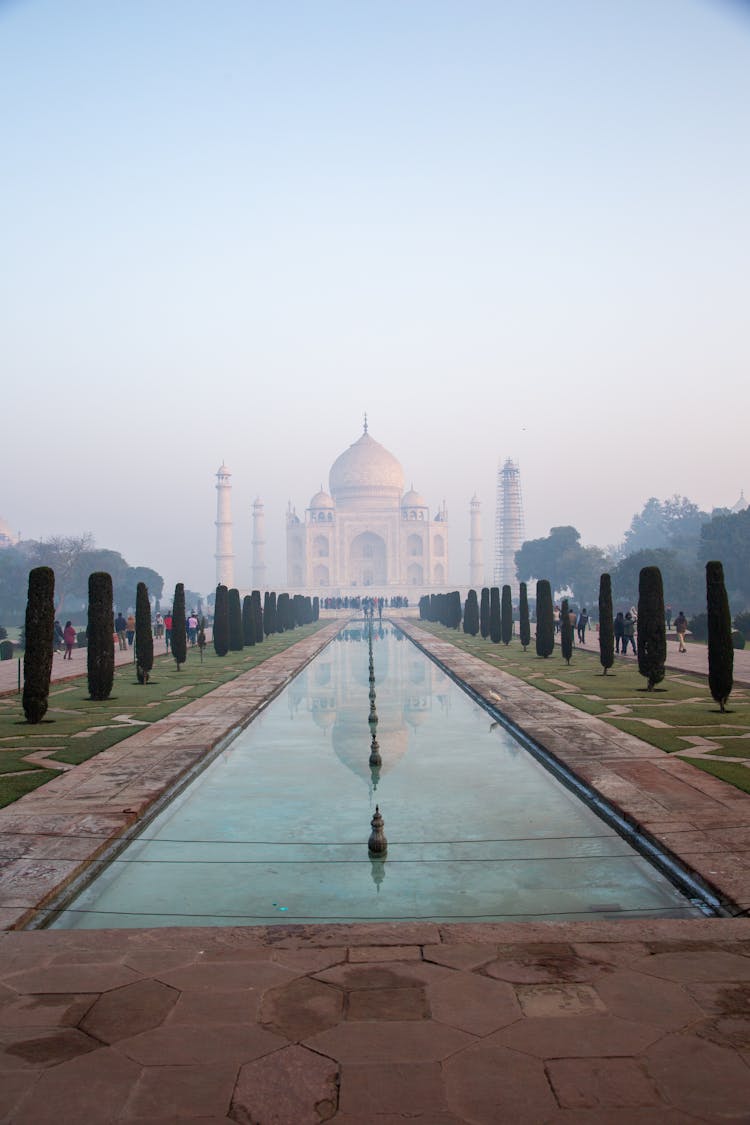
x,y
366,532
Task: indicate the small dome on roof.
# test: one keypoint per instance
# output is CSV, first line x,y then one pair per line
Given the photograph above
x,y
413,499
321,499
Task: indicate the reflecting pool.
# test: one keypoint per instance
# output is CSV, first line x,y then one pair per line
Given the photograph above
x,y
276,828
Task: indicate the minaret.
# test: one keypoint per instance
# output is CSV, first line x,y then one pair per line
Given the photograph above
x,y
509,524
475,543
224,554
259,545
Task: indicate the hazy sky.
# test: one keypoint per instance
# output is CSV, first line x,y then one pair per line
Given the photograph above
x,y
510,228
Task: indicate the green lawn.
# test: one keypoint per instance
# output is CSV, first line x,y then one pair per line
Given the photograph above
x,y
76,728
682,707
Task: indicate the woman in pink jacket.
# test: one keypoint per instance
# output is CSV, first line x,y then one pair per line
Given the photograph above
x,y
69,636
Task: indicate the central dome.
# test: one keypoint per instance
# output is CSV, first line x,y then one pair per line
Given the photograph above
x,y
366,471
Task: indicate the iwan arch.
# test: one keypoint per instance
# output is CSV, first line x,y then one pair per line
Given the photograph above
x,y
367,534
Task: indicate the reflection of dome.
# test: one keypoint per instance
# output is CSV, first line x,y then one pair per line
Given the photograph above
x,y
366,469
322,500
413,499
394,742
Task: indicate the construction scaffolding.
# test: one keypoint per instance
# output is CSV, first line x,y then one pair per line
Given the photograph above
x,y
509,524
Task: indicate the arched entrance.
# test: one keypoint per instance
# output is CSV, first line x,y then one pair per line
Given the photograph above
x,y
368,561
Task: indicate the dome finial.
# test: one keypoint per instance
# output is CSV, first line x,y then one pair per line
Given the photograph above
x,y
365,421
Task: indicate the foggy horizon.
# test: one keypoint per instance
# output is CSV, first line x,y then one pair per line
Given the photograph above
x,y
501,230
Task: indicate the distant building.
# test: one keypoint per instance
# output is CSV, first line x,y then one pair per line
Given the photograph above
x,y
7,538
741,504
366,532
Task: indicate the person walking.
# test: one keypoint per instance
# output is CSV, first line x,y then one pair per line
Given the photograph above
x,y
628,633
69,636
192,628
556,618
583,620
680,628
159,624
130,629
619,629
58,640
120,628
167,630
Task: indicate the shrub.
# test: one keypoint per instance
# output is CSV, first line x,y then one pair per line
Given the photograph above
x,y
248,621
495,619
235,621
524,628
606,623
144,637
738,639
471,614
40,629
6,650
720,647
221,621
258,609
566,631
179,626
698,626
484,613
82,639
652,630
545,623
101,626
506,616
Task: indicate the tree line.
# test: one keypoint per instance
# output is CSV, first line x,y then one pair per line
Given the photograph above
x,y
492,617
235,626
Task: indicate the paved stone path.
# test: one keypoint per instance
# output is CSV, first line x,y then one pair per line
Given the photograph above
x,y
594,1023
61,669
591,1024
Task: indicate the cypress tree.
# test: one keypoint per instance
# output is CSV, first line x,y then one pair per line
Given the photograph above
x,y
566,632
284,620
545,624
720,647
471,614
39,634
144,637
100,654
248,621
524,627
179,626
506,616
424,607
606,624
235,621
484,613
652,629
495,623
454,609
221,621
316,608
258,611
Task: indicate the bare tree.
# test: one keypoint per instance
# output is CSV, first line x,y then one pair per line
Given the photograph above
x,y
63,554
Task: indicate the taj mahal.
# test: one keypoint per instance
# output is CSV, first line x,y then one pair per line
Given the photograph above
x,y
365,533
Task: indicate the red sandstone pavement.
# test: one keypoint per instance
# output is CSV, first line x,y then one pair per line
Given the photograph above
x,y
592,1024
595,1022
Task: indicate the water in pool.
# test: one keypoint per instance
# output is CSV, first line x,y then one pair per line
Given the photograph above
x,y
276,828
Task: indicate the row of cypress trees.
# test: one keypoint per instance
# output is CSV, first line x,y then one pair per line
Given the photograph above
x,y
492,617
239,624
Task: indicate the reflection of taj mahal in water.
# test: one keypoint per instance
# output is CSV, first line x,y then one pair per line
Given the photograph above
x,y
405,696
367,532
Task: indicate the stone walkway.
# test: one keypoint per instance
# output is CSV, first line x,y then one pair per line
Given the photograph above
x,y
594,1023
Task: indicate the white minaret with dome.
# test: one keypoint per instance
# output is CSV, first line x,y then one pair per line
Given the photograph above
x,y
366,532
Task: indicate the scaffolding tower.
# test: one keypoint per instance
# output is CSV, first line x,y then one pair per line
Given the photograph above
x,y
509,525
